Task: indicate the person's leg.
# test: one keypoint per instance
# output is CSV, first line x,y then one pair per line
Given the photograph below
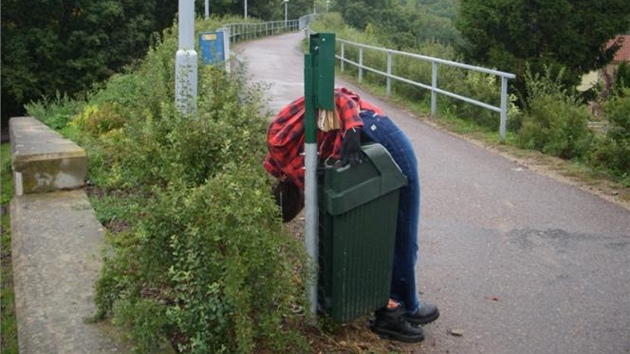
x,y
383,131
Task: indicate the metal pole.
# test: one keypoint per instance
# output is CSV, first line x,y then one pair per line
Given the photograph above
x,y
186,60
389,72
434,80
245,9
207,9
286,2
360,64
311,216
504,99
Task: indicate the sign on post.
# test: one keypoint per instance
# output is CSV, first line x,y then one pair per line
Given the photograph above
x,y
212,47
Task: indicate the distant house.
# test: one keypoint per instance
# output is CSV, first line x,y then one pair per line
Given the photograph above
x,y
607,73
623,54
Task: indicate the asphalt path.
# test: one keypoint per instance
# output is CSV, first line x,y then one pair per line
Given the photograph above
x,y
517,262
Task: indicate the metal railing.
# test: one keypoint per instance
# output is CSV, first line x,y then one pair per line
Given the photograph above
x,y
237,32
247,31
433,86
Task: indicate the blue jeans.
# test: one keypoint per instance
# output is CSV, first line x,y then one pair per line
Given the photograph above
x,y
382,130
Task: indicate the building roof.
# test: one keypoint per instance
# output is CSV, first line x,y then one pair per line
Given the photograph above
x,y
623,54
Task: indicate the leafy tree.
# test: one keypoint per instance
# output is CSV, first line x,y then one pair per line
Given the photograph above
x,y
507,34
67,46
404,24
272,10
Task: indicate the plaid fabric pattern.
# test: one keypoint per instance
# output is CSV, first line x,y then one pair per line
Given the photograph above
x,y
285,135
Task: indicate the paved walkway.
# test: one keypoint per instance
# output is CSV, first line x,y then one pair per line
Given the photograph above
x,y
56,244
519,262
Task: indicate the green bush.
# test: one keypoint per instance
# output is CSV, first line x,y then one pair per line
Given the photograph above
x,y
612,152
56,112
215,265
554,121
197,254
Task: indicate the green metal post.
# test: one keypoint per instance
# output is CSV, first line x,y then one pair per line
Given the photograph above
x,y
319,81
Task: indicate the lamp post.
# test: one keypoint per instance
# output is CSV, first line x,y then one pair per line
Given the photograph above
x,y
186,60
286,2
245,9
327,2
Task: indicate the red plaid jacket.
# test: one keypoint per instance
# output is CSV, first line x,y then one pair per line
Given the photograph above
x,y
285,136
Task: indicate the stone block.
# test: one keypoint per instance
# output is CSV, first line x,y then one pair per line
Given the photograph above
x,y
42,159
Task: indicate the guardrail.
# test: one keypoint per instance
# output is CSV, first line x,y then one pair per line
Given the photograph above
x,y
237,32
433,86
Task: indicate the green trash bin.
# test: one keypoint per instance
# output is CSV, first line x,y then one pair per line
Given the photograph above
x,y
357,229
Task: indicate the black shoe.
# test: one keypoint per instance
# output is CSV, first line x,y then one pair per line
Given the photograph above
x,y
392,324
427,313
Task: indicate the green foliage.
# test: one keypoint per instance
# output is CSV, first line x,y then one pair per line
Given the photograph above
x,y
484,88
198,255
622,77
613,151
66,47
402,24
543,33
6,185
56,112
8,341
554,122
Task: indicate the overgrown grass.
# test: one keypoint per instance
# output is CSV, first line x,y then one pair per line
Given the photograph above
x,y
8,341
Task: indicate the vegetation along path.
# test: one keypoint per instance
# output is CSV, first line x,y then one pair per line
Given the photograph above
x,y
517,261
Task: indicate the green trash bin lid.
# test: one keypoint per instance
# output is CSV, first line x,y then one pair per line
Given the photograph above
x,y
352,186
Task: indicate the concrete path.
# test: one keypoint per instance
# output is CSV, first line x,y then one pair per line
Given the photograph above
x,y
56,245
517,262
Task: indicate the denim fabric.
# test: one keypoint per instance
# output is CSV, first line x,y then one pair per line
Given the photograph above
x,y
383,131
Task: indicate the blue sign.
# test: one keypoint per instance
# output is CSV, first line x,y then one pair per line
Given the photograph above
x,y
212,47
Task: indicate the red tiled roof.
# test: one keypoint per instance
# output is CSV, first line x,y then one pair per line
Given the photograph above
x,y
623,54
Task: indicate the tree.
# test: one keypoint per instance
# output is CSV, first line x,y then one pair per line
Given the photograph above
x,y
507,34
66,46
272,10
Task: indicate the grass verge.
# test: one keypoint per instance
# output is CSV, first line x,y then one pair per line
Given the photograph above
x,y
8,341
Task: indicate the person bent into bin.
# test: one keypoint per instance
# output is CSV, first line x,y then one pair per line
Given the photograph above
x,y
339,136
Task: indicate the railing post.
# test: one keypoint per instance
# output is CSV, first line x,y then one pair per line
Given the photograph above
x,y
504,106
343,58
389,72
360,64
434,81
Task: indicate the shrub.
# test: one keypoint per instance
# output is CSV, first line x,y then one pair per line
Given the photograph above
x,y
56,112
554,121
612,152
216,268
198,254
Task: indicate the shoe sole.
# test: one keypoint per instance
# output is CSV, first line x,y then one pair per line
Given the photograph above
x,y
397,336
427,320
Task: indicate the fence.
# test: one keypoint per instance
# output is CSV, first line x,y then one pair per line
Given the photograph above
x,y
237,32
433,86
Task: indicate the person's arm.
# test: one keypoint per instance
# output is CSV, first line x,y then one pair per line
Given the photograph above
x,y
285,140
348,110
